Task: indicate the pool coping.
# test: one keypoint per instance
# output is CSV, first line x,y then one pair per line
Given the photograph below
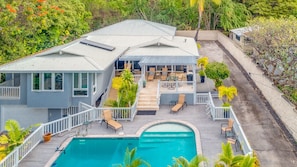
x,y
138,134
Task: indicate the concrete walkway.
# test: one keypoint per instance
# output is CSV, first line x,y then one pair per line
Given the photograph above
x,y
264,132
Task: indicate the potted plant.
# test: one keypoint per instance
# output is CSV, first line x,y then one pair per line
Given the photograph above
x,y
144,83
202,76
227,94
47,137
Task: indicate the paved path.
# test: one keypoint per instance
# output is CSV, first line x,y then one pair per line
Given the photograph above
x,y
263,132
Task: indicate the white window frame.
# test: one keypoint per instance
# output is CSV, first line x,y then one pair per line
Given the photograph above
x,y
42,83
80,85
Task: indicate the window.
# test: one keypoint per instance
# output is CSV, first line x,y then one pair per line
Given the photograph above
x,y
80,84
47,81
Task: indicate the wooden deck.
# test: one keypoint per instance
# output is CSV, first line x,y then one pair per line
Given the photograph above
x,y
210,136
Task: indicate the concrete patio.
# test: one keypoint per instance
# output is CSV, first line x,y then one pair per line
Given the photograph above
x,y
210,136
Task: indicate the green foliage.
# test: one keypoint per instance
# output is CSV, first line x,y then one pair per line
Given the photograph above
x,y
29,26
274,42
227,93
227,158
131,161
195,161
276,8
217,71
127,90
232,15
15,136
202,61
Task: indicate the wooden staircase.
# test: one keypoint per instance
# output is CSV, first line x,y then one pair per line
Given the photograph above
x,y
148,100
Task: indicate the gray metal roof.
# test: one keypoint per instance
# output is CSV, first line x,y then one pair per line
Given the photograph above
x,y
168,60
143,39
75,57
136,28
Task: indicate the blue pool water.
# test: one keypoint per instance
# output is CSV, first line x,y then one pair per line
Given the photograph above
x,y
157,145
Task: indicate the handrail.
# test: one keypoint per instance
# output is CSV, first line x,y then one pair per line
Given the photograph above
x,y
221,113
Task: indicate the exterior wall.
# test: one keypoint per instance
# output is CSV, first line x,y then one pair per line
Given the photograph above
x,y
50,99
23,93
102,83
166,98
54,114
206,35
19,112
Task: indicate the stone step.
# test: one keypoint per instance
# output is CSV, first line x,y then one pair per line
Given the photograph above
x,y
143,108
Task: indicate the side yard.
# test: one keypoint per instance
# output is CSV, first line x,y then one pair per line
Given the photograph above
x,y
263,132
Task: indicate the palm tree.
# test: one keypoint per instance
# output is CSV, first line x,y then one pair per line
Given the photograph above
x,y
183,162
200,4
227,158
131,161
227,93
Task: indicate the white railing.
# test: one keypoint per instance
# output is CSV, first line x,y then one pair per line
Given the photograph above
x,y
224,113
202,98
54,127
240,135
9,92
176,86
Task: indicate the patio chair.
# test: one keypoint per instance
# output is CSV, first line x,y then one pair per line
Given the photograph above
x,y
151,74
164,74
107,118
227,127
234,141
180,103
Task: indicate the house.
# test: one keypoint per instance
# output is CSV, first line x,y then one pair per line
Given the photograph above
x,y
240,37
50,84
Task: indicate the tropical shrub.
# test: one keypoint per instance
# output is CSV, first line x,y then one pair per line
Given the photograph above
x,y
14,137
217,72
131,161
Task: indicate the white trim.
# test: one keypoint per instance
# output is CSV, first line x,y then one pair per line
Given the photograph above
x,y
41,82
80,85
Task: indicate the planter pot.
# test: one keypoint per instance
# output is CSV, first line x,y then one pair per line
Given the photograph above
x,y
202,79
47,137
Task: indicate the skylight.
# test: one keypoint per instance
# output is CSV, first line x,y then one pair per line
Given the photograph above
x,y
97,45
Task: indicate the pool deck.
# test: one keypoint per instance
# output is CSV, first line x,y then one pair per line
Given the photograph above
x,y
209,130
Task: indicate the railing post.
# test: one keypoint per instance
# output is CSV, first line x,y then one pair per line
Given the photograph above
x,y
16,158
69,122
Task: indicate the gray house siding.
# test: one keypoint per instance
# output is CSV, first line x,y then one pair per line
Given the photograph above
x,y
166,98
102,83
23,93
50,99
54,114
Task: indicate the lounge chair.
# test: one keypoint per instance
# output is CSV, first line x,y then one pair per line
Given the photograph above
x,y
151,74
107,118
227,127
180,103
164,74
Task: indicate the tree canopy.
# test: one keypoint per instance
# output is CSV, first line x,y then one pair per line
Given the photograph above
x,y
29,26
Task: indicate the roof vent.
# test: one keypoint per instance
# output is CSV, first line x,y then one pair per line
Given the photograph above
x,y
97,45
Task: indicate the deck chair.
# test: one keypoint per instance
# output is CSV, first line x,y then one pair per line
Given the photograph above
x,y
110,122
164,74
227,127
151,74
180,103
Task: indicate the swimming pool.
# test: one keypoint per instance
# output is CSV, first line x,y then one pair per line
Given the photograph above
x,y
157,145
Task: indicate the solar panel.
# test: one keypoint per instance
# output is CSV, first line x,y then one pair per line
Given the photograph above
x,y
97,45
